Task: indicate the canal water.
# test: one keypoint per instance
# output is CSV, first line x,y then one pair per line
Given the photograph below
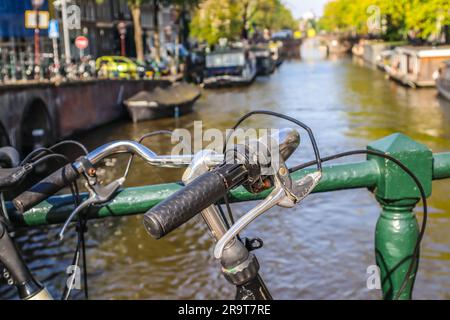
x,y
319,250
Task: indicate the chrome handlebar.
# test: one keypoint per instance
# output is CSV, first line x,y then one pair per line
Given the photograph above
x,y
286,193
133,147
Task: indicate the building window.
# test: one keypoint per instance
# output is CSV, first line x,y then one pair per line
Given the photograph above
x,y
104,11
124,9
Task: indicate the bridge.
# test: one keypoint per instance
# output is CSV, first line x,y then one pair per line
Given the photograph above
x,y
56,111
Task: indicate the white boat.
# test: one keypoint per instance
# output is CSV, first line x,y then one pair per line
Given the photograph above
x,y
443,80
417,66
230,67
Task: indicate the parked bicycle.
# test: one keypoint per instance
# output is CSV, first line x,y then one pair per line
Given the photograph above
x,y
255,164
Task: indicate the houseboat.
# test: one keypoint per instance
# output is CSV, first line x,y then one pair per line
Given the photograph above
x,y
337,46
384,60
265,63
443,80
276,50
230,67
173,101
417,66
374,52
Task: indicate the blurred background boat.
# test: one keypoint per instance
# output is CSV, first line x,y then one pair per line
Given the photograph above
x,y
230,67
443,80
173,101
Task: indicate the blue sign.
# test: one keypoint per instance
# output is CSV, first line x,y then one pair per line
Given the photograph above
x,y
12,18
53,29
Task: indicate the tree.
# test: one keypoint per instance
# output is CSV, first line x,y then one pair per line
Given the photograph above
x,y
427,18
233,19
423,19
135,8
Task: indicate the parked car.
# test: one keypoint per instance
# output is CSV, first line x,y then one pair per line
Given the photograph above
x,y
116,67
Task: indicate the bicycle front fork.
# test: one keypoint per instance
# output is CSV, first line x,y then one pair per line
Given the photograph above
x,y
28,287
241,268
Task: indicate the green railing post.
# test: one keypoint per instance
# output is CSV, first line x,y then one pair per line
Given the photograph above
x,y
397,229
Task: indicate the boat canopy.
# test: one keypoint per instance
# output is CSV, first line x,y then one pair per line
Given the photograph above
x,y
225,59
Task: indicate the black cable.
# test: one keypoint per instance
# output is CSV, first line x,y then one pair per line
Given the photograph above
x,y
227,205
35,153
82,227
142,138
75,262
81,230
288,118
76,198
222,214
415,255
73,142
281,116
48,157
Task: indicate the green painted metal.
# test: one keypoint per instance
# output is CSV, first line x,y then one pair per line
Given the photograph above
x,y
441,166
139,199
397,229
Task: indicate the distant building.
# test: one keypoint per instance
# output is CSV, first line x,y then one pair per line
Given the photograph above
x,y
12,19
13,33
98,23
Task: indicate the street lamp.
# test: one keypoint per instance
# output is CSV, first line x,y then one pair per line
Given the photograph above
x,y
36,5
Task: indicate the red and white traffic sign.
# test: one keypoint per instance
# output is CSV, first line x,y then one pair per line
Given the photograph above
x,y
81,42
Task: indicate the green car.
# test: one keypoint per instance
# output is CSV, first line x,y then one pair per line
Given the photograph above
x,y
116,67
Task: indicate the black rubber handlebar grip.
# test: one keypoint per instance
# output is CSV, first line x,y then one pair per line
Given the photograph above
x,y
45,188
184,204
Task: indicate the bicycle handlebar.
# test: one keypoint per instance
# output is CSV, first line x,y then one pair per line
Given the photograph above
x,y
184,204
68,174
46,188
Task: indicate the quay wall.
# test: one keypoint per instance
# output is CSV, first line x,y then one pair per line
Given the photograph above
x,y
61,110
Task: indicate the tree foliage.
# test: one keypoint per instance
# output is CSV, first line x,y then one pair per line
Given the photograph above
x,y
423,18
233,19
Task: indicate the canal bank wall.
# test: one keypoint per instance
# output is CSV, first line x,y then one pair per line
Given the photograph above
x,y
42,113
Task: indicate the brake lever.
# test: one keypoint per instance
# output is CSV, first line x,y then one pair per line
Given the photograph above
x,y
98,194
283,195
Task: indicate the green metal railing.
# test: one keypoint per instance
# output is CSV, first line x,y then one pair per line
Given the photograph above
x,y
397,228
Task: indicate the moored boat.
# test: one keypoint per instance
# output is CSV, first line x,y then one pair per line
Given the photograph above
x,y
384,60
229,67
276,51
417,66
173,101
337,46
265,64
443,80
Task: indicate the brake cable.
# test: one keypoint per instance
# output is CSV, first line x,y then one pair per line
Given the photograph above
x,y
142,138
39,157
318,161
39,151
415,256
288,118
